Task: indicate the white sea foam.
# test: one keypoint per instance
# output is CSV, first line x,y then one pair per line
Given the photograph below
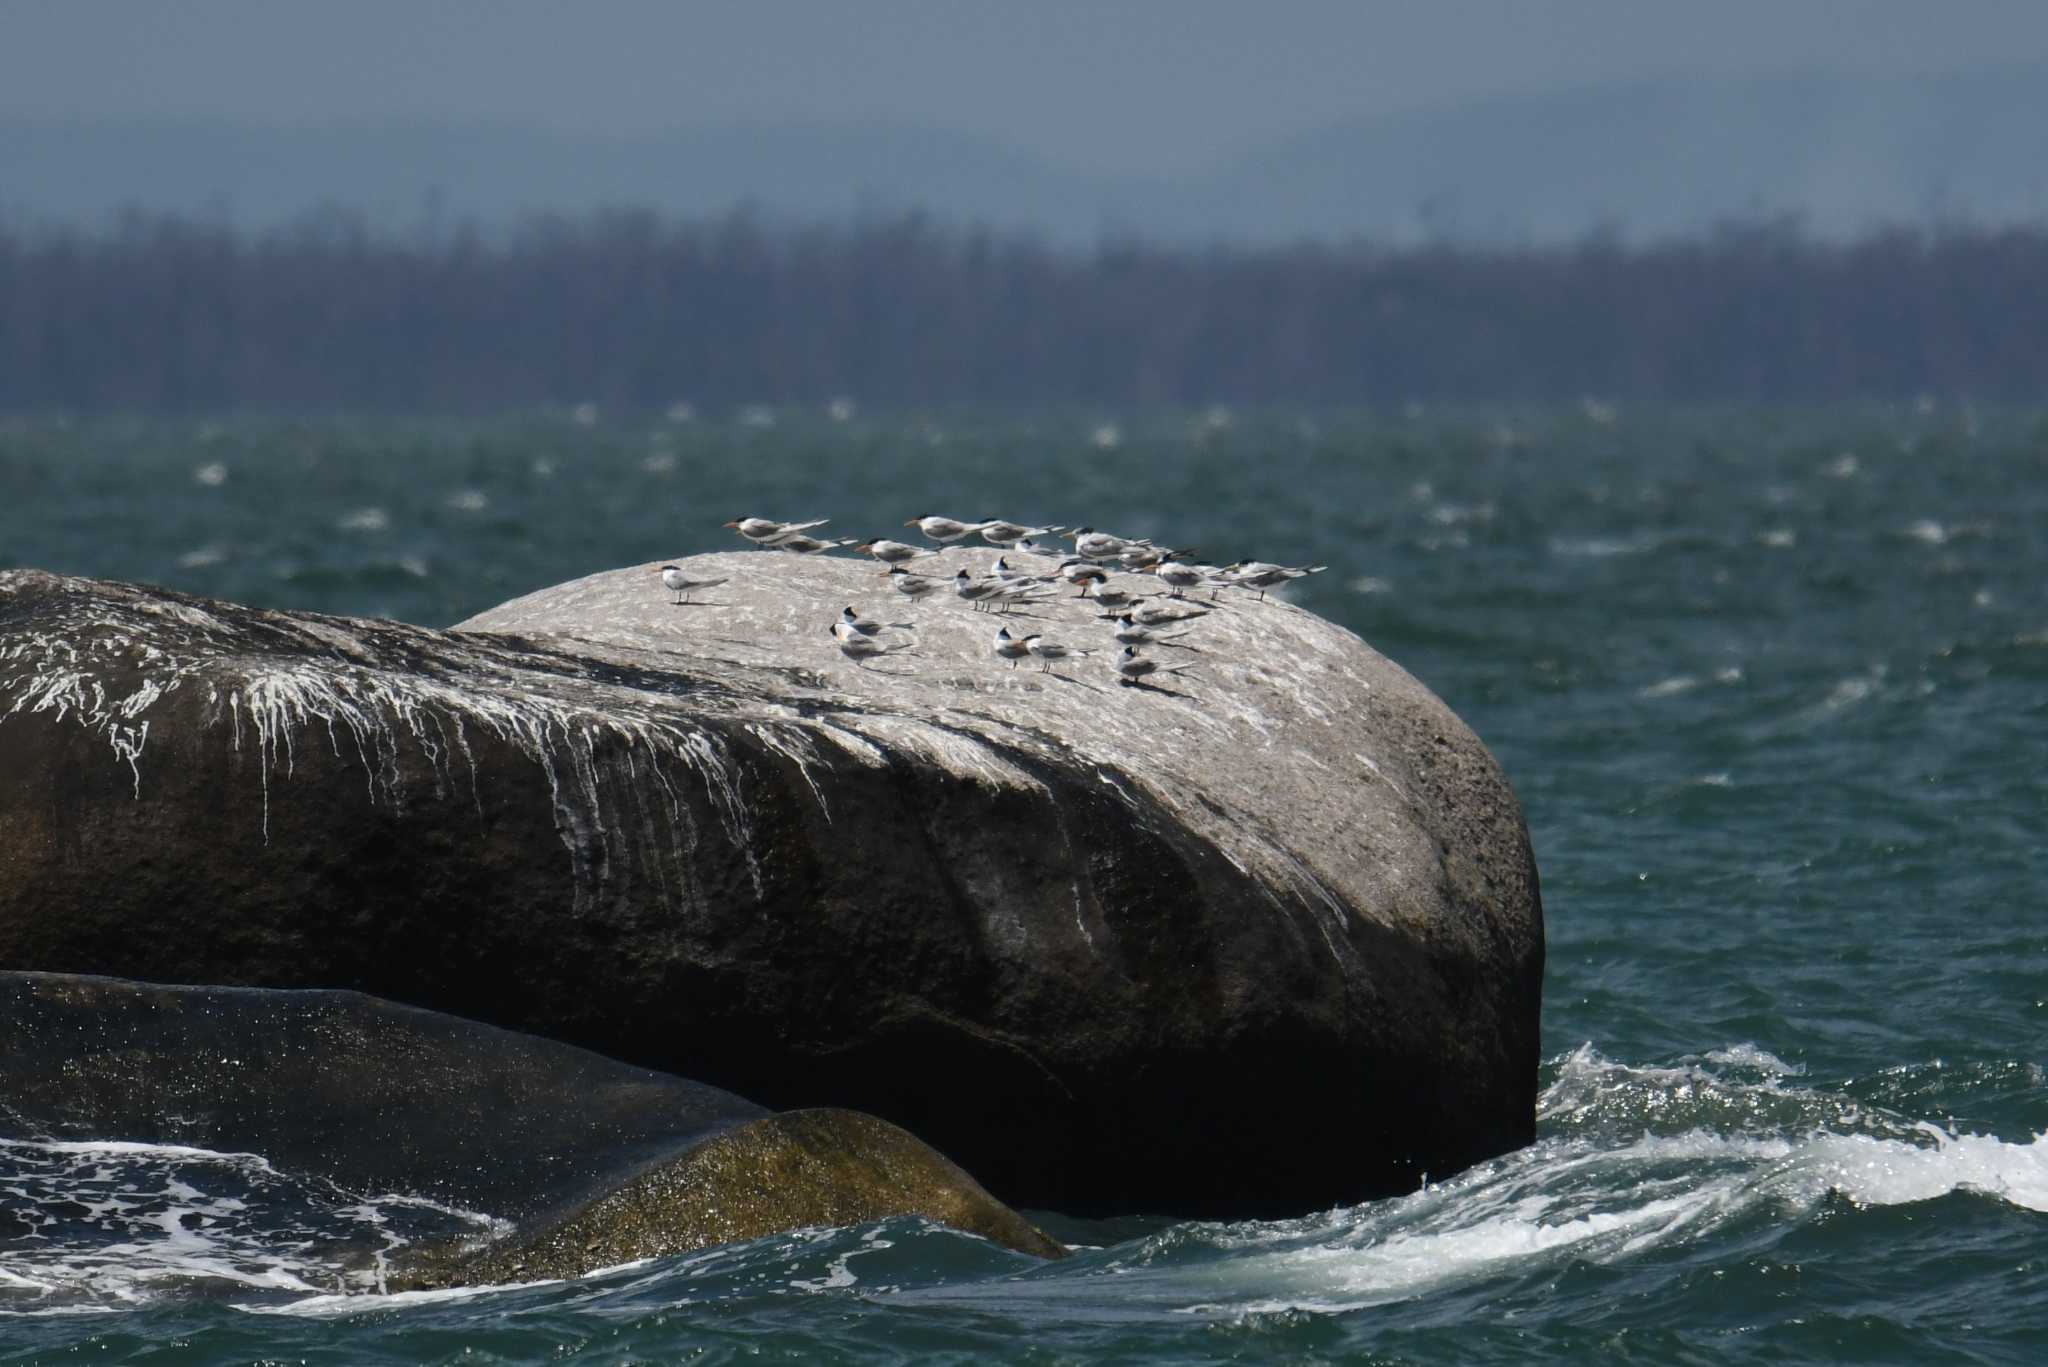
x,y
839,1275
1631,1158
1749,1056
333,1306
1606,1182
1599,547
120,1223
201,556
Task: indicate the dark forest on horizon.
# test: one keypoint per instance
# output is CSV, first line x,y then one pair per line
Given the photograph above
x,y
633,310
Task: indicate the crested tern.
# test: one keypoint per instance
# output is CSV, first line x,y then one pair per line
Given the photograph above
x,y
894,552
1010,574
1081,573
868,626
1051,651
1258,574
1008,647
1132,667
859,648
1159,614
911,586
942,529
1179,578
1130,633
976,591
1113,599
680,584
764,531
997,532
1093,545
811,545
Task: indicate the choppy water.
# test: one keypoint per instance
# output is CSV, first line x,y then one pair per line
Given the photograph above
x,y
1773,687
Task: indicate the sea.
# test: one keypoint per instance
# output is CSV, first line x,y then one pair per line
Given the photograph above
x,y
1771,684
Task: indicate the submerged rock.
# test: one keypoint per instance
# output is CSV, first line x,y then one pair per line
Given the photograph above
x,y
1263,939
789,1171
589,1161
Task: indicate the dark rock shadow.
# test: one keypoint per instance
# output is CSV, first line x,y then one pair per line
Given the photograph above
x,y
1156,688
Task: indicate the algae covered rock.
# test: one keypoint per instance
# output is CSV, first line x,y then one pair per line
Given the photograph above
x,y
1263,939
796,1170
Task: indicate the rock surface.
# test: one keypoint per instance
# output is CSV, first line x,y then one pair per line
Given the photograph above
x,y
789,1171
366,1093
1265,939
594,1162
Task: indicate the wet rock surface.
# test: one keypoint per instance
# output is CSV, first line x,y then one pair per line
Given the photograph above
x,y
592,1162
1260,940
366,1093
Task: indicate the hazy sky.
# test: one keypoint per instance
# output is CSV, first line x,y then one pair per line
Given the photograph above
x,y
1161,85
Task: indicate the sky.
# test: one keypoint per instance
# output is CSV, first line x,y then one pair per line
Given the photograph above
x,y
1143,87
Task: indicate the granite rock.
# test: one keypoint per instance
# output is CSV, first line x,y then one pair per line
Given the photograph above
x,y
1264,938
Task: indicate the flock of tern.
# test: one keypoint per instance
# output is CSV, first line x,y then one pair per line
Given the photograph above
x,y
1142,621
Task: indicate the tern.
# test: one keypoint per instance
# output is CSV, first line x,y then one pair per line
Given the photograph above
x,y
1257,574
1051,651
997,532
911,586
1008,647
893,552
1112,599
976,591
1010,593
868,626
1093,545
763,531
1139,558
1010,574
1180,578
942,529
859,648
680,584
1133,668
1159,614
1078,571
811,545
1130,633
1143,555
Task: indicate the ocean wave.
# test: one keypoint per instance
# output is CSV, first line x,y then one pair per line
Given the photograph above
x,y
1632,1160
110,1223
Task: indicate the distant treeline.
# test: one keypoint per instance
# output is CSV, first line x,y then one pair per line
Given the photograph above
x,y
629,309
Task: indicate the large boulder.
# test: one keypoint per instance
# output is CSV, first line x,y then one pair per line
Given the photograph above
x,y
585,1162
1261,939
